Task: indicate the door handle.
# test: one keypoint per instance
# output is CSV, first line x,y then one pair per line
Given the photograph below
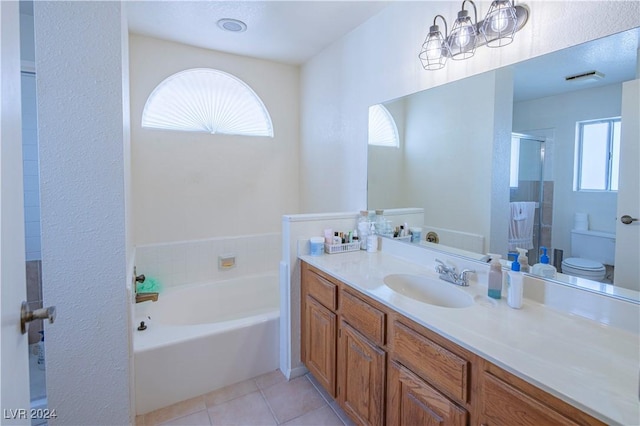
x,y
626,219
27,315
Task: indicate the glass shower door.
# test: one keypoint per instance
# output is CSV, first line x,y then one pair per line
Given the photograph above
x,y
527,184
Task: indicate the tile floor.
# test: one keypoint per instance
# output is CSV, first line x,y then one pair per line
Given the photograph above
x,y
264,400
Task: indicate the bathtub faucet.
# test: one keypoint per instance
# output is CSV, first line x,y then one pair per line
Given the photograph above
x,y
143,297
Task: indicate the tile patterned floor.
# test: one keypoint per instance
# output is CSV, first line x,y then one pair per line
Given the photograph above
x,y
264,400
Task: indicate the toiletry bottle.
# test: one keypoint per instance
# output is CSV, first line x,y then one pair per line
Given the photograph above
x,y
514,285
336,238
363,228
495,277
544,269
523,260
372,240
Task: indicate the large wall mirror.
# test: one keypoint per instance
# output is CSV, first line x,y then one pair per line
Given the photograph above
x,y
471,149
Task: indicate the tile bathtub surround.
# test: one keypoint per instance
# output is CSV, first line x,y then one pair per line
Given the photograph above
x,y
196,261
264,400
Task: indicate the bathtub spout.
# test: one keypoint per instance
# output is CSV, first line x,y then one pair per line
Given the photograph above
x,y
143,297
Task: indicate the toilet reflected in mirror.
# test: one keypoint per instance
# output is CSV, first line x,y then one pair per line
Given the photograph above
x,y
590,252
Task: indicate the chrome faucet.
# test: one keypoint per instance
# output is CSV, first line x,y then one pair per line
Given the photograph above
x,y
142,297
449,274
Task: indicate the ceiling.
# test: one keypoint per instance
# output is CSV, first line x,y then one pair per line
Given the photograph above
x,y
282,31
294,31
614,56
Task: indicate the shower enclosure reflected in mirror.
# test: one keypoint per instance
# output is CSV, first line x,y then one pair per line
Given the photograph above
x,y
527,185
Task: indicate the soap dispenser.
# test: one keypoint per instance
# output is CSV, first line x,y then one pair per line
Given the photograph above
x,y
544,269
523,260
514,285
495,277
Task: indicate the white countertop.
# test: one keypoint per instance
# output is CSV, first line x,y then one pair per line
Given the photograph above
x,y
592,366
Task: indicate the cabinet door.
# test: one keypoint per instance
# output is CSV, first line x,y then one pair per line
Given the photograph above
x,y
319,352
411,401
361,377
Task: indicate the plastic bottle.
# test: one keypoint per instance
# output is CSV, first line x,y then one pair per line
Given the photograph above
x,y
336,238
523,260
372,240
495,277
514,285
363,228
544,269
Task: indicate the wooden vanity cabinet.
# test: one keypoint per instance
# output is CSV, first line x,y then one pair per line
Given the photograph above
x,y
319,326
361,377
361,358
384,368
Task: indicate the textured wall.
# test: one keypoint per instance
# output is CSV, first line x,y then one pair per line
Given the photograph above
x,y
79,60
189,185
378,62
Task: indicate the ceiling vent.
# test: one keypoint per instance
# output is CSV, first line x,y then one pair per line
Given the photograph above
x,y
585,77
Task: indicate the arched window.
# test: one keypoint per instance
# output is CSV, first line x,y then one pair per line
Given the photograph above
x,y
382,127
206,100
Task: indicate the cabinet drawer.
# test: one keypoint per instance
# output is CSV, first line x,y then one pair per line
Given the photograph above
x,y
504,404
363,317
436,364
411,401
323,290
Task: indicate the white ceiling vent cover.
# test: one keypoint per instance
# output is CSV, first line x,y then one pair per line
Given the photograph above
x,y
207,100
585,77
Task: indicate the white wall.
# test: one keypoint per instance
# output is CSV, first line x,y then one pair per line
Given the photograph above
x,y
79,58
378,61
560,114
190,186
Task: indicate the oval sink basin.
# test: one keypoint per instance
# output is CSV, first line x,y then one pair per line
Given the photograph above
x,y
428,290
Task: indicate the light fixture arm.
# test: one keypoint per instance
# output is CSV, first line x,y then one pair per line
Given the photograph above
x,y
446,31
475,10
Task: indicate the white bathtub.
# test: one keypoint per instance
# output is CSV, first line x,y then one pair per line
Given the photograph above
x,y
202,337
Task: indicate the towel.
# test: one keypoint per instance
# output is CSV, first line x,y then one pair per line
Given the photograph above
x,y
521,225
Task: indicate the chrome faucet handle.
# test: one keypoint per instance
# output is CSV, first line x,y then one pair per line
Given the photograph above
x,y
464,276
441,267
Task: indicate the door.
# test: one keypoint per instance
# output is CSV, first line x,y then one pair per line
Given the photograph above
x,y
361,377
14,370
627,273
320,343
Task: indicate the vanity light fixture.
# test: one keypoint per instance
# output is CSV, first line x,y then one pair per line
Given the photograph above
x,y
435,49
462,40
498,28
500,24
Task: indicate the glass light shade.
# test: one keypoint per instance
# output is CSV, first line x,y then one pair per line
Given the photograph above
x,y
434,50
463,37
500,24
